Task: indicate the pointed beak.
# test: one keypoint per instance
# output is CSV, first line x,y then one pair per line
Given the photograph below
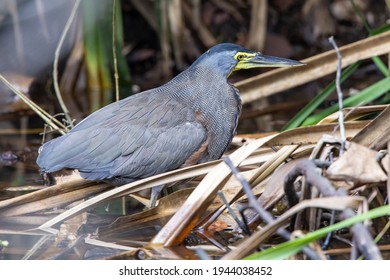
x,y
260,60
272,61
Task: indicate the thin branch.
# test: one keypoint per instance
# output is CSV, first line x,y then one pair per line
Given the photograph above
x,y
339,94
265,215
54,123
56,60
308,168
242,225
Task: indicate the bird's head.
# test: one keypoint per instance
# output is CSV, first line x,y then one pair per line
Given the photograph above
x,y
227,58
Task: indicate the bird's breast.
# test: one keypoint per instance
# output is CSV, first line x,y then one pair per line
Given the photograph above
x,y
220,118
215,103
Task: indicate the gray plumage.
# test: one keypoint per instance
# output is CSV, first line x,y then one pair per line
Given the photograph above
x,y
150,132
191,119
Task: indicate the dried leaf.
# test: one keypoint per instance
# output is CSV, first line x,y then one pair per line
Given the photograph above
x,y
189,214
54,201
359,165
65,239
47,192
273,191
156,216
311,134
160,179
376,134
353,113
251,243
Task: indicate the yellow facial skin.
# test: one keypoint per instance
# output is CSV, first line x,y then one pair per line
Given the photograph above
x,y
247,60
243,59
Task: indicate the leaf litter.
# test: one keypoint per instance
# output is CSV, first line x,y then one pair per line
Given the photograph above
x,y
302,180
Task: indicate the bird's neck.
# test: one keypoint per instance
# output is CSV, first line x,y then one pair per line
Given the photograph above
x,y
207,92
199,84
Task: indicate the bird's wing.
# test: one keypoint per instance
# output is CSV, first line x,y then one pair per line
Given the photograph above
x,y
135,138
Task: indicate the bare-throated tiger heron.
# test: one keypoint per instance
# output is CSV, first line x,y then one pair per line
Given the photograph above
x,y
189,120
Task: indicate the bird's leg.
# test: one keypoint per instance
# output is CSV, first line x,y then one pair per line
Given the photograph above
x,y
155,194
48,179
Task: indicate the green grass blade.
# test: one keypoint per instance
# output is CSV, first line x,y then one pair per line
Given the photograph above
x,y
91,55
381,66
380,29
123,69
289,248
305,112
361,98
97,27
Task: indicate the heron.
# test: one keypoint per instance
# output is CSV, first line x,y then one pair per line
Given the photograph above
x,y
189,120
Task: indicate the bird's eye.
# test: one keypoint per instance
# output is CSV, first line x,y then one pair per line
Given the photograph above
x,y
240,57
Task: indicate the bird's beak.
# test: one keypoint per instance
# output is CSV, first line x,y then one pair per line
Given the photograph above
x,y
260,60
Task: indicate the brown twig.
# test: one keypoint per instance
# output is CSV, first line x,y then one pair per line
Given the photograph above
x,y
308,168
265,215
56,60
